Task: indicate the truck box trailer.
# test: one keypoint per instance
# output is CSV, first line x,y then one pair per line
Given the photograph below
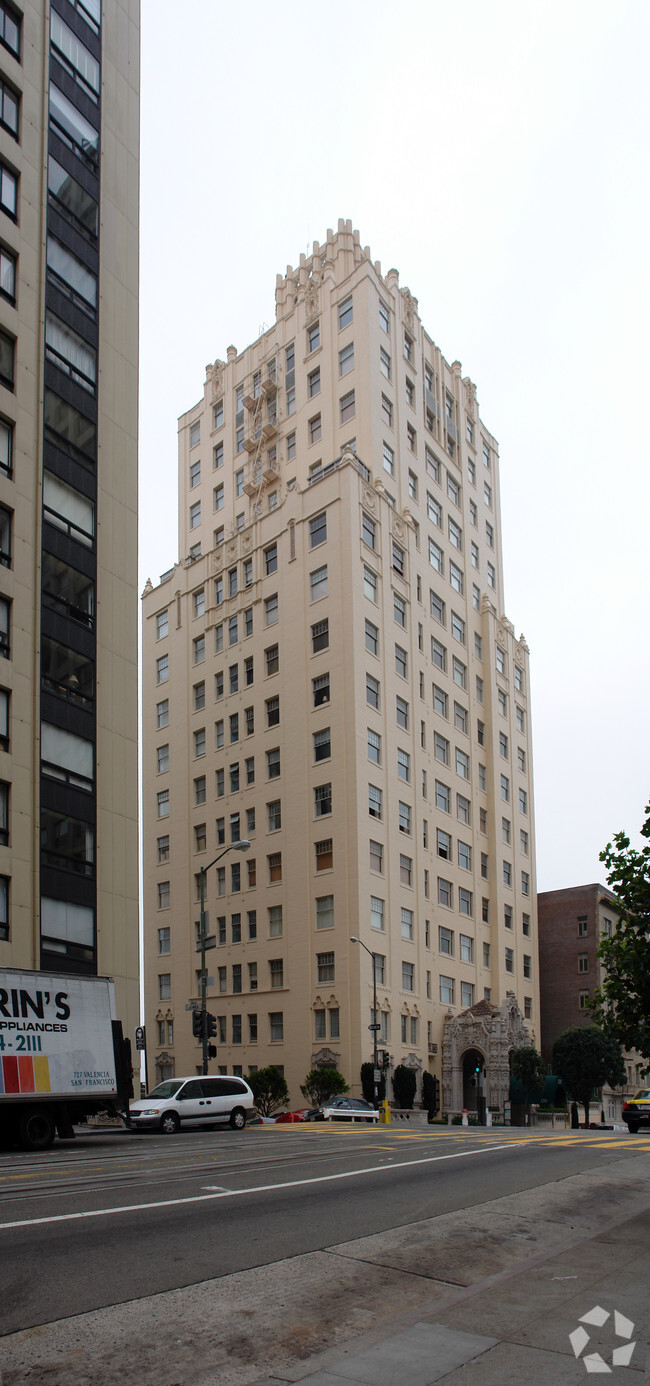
x,y
62,1055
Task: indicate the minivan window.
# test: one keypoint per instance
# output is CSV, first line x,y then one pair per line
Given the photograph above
x,y
166,1089
191,1089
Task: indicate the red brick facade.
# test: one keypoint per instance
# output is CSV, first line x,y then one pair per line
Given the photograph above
x,y
570,926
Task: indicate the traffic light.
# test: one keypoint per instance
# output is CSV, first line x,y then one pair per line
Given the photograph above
x,y
212,1051
198,1024
211,1025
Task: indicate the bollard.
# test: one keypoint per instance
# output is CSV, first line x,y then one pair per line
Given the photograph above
x,y
488,1119
384,1112
464,1121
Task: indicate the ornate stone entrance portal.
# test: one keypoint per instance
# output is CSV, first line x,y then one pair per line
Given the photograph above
x,y
484,1035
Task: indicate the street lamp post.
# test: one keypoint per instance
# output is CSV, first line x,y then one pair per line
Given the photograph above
x,y
241,846
375,1060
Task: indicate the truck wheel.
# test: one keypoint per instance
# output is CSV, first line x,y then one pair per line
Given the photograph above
x,y
35,1130
238,1118
169,1123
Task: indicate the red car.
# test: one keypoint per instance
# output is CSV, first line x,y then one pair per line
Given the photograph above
x,y
292,1116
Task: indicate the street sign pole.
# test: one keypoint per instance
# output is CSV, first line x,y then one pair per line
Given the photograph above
x,y
204,977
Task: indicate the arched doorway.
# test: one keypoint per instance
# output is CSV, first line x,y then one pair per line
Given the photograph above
x,y
473,1073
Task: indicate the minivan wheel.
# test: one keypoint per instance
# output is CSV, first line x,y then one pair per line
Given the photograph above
x,y
238,1118
169,1123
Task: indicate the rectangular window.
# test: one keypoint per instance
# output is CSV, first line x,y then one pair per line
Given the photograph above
x,y
445,941
401,661
372,638
314,429
408,976
436,559
162,713
313,383
372,691
273,763
322,744
462,764
443,797
376,857
275,921
275,867
271,610
347,407
324,857
404,817
321,689
465,902
272,712
325,912
368,530
374,801
402,713
445,893
322,800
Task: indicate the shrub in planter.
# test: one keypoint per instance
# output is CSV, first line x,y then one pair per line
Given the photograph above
x,y
404,1086
368,1083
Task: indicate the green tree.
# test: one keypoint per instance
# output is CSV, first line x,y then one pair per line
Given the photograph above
x,y
368,1083
429,1102
404,1086
528,1066
621,1004
586,1057
269,1090
321,1084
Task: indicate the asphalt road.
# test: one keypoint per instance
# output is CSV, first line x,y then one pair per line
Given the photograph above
x,y
112,1218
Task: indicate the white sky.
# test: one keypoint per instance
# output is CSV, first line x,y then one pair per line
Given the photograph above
x,y
496,153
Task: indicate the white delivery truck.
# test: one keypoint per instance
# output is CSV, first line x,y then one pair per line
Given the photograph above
x,y
62,1055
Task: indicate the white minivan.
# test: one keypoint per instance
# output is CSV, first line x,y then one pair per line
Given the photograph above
x,y
193,1101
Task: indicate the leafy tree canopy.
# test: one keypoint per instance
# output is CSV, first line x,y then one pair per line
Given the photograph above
x,y
586,1057
621,1005
321,1084
269,1090
528,1066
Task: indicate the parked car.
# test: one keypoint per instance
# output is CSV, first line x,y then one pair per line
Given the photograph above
x,y
193,1101
344,1109
636,1111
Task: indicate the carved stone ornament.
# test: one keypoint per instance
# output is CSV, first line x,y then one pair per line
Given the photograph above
x,y
164,1058
232,548
312,299
410,308
495,1031
398,527
325,1058
216,560
214,378
247,543
470,397
501,638
412,1061
369,498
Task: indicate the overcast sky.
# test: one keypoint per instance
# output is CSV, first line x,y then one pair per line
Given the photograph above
x,y
496,153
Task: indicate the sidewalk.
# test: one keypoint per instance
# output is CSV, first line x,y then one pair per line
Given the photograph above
x,y
513,1327
485,1295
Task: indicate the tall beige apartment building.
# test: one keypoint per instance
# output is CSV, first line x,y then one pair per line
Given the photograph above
x,y
69,130
328,673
